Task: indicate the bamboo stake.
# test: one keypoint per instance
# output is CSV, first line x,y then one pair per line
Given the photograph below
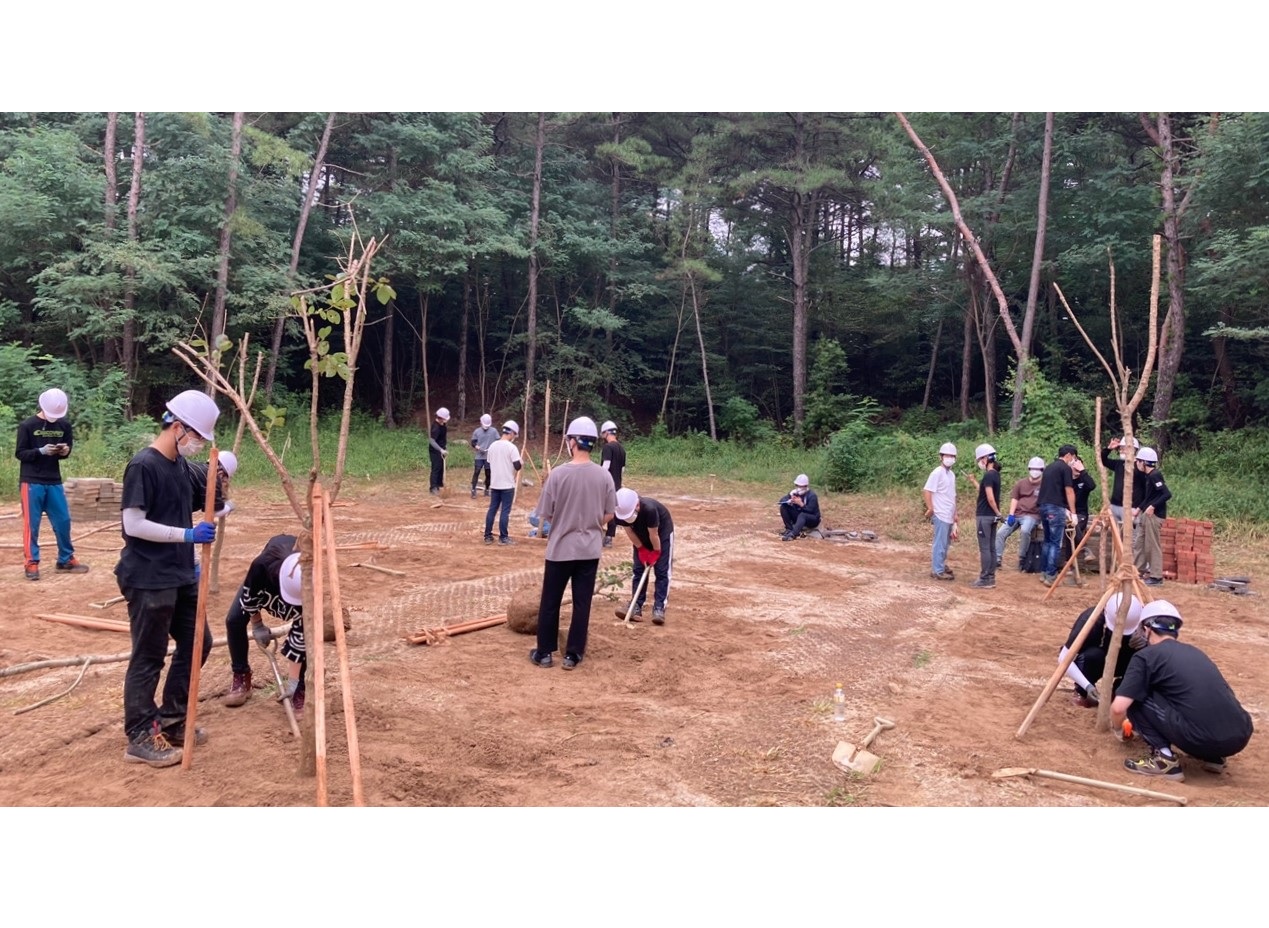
x,y
341,649
546,427
1085,781
382,570
317,649
200,615
439,633
80,621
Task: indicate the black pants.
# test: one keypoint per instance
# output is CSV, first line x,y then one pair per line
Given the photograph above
x,y
611,531
482,466
986,526
796,520
555,578
436,479
236,633
154,617
1151,718
1092,664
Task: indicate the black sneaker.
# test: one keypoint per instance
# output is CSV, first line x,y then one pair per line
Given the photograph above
x,y
1156,764
1153,581
175,733
981,584
571,661
152,748
505,540
473,492
489,539
658,616
542,660
1213,766
607,542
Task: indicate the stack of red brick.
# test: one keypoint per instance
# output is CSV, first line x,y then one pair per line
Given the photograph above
x,y
1187,551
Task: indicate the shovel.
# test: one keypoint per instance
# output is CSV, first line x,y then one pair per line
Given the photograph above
x,y
264,637
859,759
643,583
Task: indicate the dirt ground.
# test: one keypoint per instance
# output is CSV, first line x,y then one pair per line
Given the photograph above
x,y
726,705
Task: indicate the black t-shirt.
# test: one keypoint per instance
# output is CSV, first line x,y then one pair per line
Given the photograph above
x,y
616,456
198,487
162,489
1204,708
1054,483
991,478
1154,492
262,589
1084,485
33,434
440,434
651,515
1100,637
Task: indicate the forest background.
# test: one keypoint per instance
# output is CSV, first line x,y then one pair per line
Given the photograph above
x,y
749,293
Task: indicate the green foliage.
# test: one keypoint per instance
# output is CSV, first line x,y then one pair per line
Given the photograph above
x,y
829,404
739,420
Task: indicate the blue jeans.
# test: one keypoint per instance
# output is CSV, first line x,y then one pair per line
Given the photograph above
x,y
37,499
660,570
1054,519
499,500
942,541
1025,524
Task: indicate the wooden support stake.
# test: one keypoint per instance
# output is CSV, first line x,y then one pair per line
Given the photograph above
x,y
341,649
546,426
1084,781
316,651
81,621
438,633
200,616
382,570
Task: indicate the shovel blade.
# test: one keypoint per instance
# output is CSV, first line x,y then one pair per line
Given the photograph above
x,y
852,759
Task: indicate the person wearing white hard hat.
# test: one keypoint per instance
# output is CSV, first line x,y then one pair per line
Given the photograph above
x,y
273,584
799,509
1024,513
226,467
650,528
986,514
44,441
156,576
578,499
437,450
481,439
1090,661
1116,467
1149,513
1083,484
612,458
504,464
940,507
1175,697
1057,508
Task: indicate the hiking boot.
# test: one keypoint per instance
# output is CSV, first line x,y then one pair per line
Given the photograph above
x,y
571,661
33,570
1213,766
607,542
73,566
505,540
945,575
981,584
473,492
1084,702
1047,579
1156,764
634,616
489,539
175,734
658,616
542,660
152,748
1153,581
239,691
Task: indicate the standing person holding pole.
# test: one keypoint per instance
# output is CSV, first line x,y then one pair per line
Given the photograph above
x,y
438,439
612,458
578,500
157,577
504,464
481,439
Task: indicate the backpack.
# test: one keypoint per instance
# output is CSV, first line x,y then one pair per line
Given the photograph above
x,y
1035,558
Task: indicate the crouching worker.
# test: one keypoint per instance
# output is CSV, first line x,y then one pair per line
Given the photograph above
x,y
1090,662
800,508
651,531
272,585
1175,697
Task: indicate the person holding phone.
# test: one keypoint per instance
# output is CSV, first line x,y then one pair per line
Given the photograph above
x,y
44,441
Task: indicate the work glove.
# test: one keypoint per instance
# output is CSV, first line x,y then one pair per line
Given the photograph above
x,y
48,450
1092,693
201,534
444,453
1012,520
261,633
648,557
1124,733
289,687
226,509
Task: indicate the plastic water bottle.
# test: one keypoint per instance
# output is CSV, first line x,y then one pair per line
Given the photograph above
x,y
839,704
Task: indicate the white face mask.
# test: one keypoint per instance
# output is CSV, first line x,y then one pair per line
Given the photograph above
x,y
1035,474
190,445
948,460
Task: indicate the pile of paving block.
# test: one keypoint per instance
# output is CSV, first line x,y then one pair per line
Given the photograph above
x,y
93,499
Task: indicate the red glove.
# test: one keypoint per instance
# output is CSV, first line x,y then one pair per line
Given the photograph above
x,y
648,556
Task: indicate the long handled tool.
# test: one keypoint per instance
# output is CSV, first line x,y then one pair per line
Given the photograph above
x,y
200,616
1084,781
270,646
642,585
861,760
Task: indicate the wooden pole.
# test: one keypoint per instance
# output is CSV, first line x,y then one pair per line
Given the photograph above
x,y
1085,781
1071,652
341,649
315,645
546,429
200,616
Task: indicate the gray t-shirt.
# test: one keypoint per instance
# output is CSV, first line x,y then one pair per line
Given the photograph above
x,y
481,439
575,499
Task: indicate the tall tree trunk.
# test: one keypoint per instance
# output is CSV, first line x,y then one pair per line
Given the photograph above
x,y
934,355
1172,337
531,350
306,206
1037,259
801,211
128,347
700,339
463,325
219,319
389,369
614,216
111,347
1235,411
967,354
428,411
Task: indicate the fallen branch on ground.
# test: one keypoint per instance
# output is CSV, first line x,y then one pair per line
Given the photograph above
x,y
382,570
45,702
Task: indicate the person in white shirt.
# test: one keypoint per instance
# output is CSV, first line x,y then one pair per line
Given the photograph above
x,y
940,506
504,461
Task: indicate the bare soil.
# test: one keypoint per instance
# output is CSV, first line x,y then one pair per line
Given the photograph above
x,y
727,704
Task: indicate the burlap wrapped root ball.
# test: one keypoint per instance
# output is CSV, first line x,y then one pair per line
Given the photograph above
x,y
522,612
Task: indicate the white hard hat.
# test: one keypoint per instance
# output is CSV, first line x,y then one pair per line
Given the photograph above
x,y
583,427
442,414
627,500
53,403
1112,614
229,461
947,448
1148,456
510,426
1135,443
801,480
291,580
983,451
197,410
486,421
1035,464
608,426
1162,617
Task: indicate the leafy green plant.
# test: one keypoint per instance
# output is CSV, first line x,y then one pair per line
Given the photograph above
x,y
921,658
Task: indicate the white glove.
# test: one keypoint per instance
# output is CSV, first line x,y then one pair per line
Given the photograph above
x,y
48,450
228,508
444,453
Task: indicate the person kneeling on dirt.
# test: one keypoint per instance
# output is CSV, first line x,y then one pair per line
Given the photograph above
x,y
800,509
1090,661
272,585
1174,695
651,530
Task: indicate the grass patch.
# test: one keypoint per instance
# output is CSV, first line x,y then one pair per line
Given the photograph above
x,y
921,658
837,797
